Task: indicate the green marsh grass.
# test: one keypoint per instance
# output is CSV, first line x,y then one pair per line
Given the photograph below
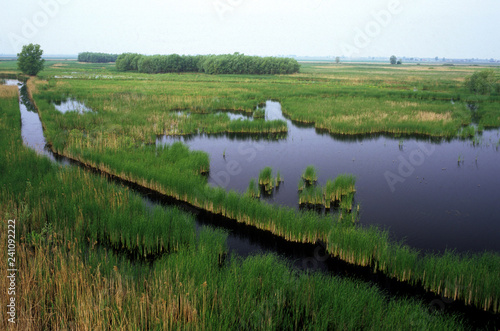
x,y
130,112
310,175
67,281
266,179
279,179
259,113
253,189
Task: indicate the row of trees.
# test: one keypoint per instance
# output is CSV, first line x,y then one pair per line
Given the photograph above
x,y
211,64
97,57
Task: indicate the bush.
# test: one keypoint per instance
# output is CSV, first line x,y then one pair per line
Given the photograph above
x,y
483,82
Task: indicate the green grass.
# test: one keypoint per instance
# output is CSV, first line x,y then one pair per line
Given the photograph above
x,y
253,189
341,190
310,175
259,113
266,179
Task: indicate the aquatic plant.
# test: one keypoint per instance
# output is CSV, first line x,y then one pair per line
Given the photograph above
x,y
310,175
266,179
279,178
253,189
259,113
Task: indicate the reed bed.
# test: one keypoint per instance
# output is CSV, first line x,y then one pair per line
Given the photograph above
x,y
69,281
82,204
191,289
364,247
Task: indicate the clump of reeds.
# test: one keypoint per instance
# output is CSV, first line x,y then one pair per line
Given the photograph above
x,y
341,191
266,179
259,113
338,189
310,175
253,189
312,195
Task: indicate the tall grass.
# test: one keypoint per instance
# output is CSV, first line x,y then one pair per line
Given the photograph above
x,y
310,175
266,179
253,189
341,190
66,281
104,147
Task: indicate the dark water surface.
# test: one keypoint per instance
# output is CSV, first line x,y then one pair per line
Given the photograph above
x,y
415,187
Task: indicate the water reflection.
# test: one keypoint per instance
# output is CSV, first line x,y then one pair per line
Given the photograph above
x,y
70,104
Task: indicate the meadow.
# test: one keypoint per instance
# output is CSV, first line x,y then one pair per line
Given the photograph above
x,y
131,109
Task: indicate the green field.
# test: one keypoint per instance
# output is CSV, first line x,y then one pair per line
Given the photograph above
x,y
188,286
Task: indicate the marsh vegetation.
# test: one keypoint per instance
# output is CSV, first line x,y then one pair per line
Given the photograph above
x,y
64,212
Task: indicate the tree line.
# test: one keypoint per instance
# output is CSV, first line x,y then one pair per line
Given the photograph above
x,y
211,64
92,57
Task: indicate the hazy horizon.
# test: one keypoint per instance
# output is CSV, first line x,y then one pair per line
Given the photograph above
x,y
380,28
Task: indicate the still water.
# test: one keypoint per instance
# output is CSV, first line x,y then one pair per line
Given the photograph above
x,y
415,187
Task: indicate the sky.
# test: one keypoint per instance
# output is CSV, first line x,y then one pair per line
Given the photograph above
x,y
350,28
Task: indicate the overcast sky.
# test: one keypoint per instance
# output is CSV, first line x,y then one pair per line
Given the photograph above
x,y
358,28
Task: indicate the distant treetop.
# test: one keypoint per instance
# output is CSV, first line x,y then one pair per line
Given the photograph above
x,y
97,57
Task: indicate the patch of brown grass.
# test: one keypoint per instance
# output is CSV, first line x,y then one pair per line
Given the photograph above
x,y
426,116
8,91
58,65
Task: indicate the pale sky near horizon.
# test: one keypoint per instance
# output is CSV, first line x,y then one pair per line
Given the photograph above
x,y
358,28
